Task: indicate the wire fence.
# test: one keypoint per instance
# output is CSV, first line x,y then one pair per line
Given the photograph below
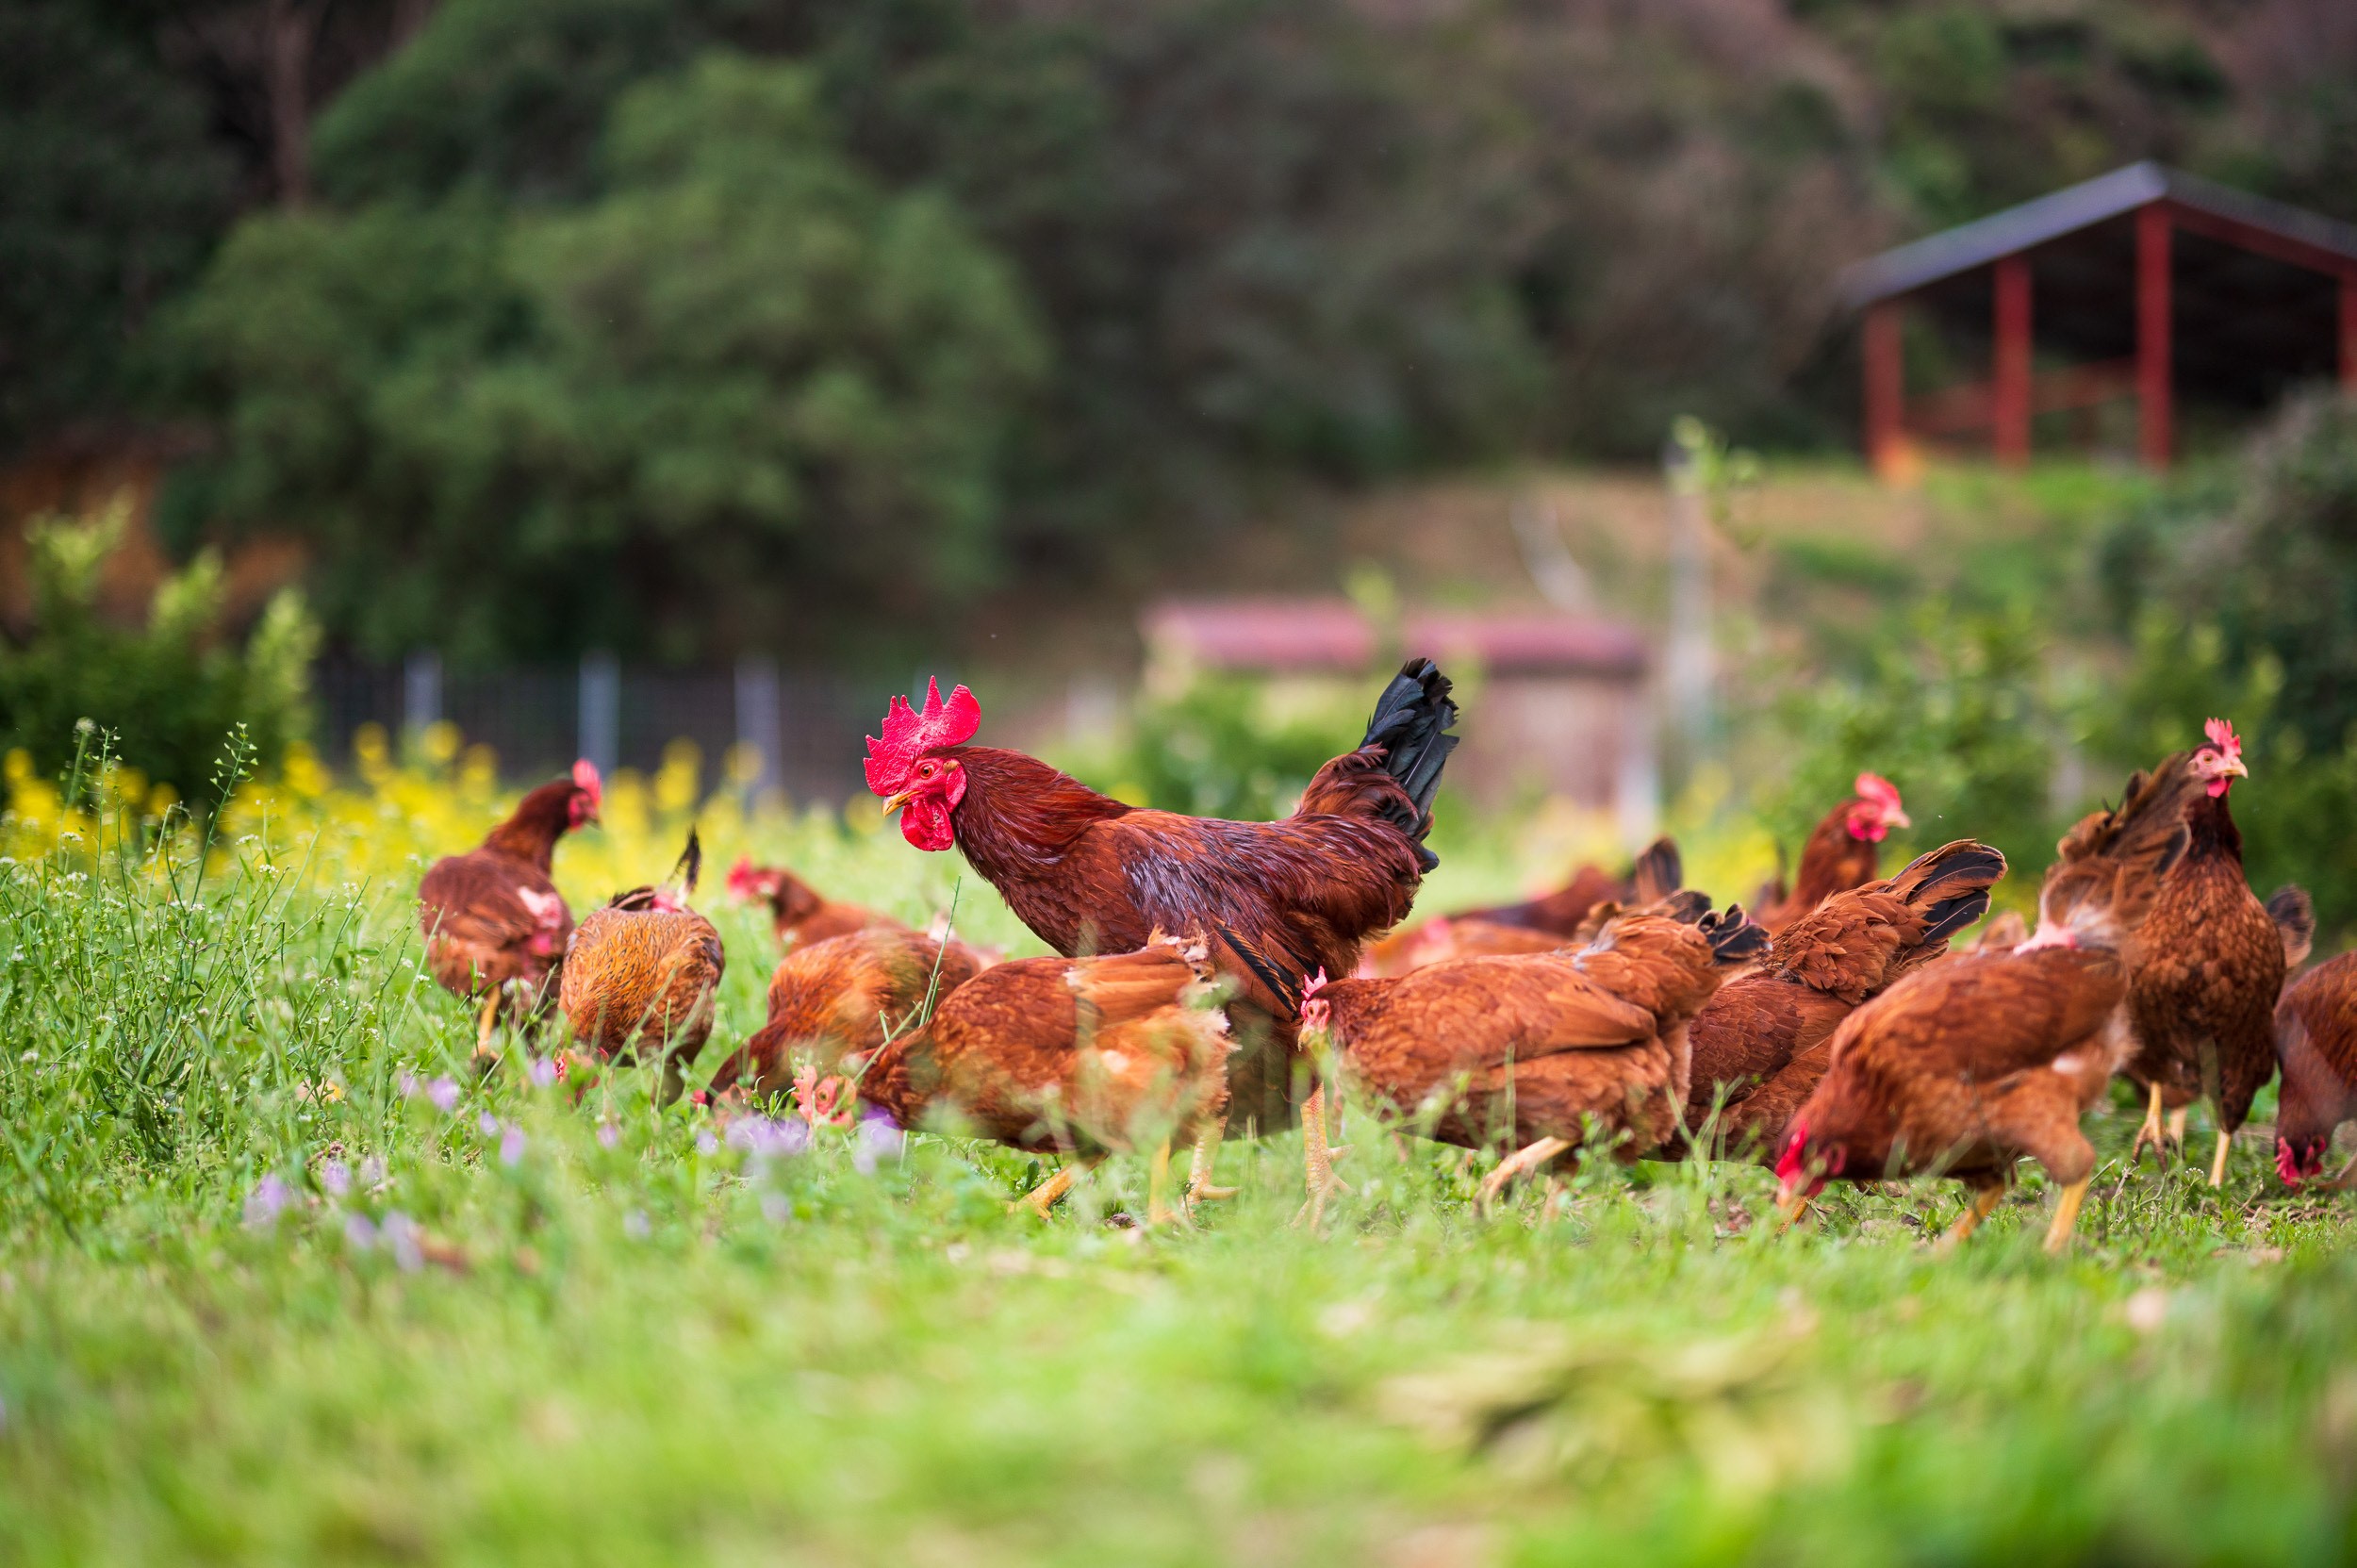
x,y
805,728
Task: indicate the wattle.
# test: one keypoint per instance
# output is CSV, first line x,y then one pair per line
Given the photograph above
x,y
925,823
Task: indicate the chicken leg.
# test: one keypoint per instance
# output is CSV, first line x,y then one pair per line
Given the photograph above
x,y
1157,1208
1199,1188
1521,1163
2177,1126
2150,1131
488,1026
2218,1165
1049,1192
1985,1200
2065,1215
1324,1183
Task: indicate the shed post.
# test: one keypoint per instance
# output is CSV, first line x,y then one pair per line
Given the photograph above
x,y
2153,326
1886,385
2348,331
2009,375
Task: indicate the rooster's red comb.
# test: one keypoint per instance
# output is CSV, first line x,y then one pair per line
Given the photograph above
x,y
909,734
1874,787
585,780
1790,1168
2222,736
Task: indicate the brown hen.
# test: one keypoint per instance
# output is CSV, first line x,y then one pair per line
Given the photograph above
x,y
1075,1055
1964,1066
797,912
1537,926
1760,1043
644,968
843,997
495,925
1539,1048
1843,851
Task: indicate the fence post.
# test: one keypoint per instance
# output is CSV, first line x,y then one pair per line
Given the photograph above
x,y
421,691
601,709
757,725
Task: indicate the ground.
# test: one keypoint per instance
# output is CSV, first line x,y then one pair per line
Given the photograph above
x,y
272,1290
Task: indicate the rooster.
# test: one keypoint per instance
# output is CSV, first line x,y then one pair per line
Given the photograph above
x,y
1842,852
1759,1045
495,925
2203,997
1968,1065
1543,1047
1275,902
2315,1040
1076,1055
1537,926
796,910
645,967
843,997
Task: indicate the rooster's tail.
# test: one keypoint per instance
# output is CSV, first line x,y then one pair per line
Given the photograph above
x,y
1948,886
1411,725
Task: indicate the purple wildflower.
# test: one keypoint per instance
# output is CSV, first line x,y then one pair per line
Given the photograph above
x,y
335,1178
443,1092
359,1232
707,1143
878,1136
769,1137
608,1134
488,1122
543,1072
266,1202
404,1238
409,1085
511,1146
373,1170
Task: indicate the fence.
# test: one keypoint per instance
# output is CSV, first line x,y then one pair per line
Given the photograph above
x,y
806,728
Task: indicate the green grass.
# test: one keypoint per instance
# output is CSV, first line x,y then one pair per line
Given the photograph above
x,y
667,1350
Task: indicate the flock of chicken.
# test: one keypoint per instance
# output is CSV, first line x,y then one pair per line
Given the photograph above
x,y
1216,976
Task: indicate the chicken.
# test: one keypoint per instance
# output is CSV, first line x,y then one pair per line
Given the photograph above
x,y
796,910
1760,1044
1274,902
646,968
495,925
2202,997
1541,1048
1081,1056
843,997
1537,926
1840,853
1968,1065
2004,933
2315,1040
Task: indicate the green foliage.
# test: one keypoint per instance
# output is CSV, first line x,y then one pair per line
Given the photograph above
x,y
1957,710
109,197
514,431
170,695
1226,746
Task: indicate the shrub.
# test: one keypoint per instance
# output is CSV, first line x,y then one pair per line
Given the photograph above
x,y
170,691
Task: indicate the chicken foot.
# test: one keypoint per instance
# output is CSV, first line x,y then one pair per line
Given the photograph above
x,y
2218,1165
1985,1201
1324,1183
1050,1192
2150,1131
1199,1188
1158,1207
2065,1215
1521,1163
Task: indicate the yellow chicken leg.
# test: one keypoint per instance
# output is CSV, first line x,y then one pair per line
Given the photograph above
x,y
1985,1200
1521,1163
2150,1131
2218,1165
2177,1126
1049,1192
488,1026
2065,1215
1324,1183
1199,1188
1157,1208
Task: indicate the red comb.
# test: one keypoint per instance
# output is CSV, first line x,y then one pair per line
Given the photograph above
x,y
1874,787
2222,736
585,779
1789,1169
909,735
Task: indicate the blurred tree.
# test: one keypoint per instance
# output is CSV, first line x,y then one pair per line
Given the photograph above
x,y
109,198
517,432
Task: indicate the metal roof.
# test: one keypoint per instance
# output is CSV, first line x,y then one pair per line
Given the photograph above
x,y
2075,208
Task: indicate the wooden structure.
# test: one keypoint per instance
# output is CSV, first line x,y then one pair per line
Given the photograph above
x,y
2146,283
1557,705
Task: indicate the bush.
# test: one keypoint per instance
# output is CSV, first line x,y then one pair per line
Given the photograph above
x,y
1224,747
171,692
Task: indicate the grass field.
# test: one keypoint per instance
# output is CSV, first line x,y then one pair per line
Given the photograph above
x,y
272,1291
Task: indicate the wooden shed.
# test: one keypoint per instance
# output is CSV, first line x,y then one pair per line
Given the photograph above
x,y
2145,286
1557,705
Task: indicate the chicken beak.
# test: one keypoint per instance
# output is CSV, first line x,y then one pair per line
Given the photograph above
x,y
895,802
2233,768
1894,818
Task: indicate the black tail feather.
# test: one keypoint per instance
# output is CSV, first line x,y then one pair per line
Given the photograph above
x,y
1411,723
1951,885
1660,872
1733,936
691,864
